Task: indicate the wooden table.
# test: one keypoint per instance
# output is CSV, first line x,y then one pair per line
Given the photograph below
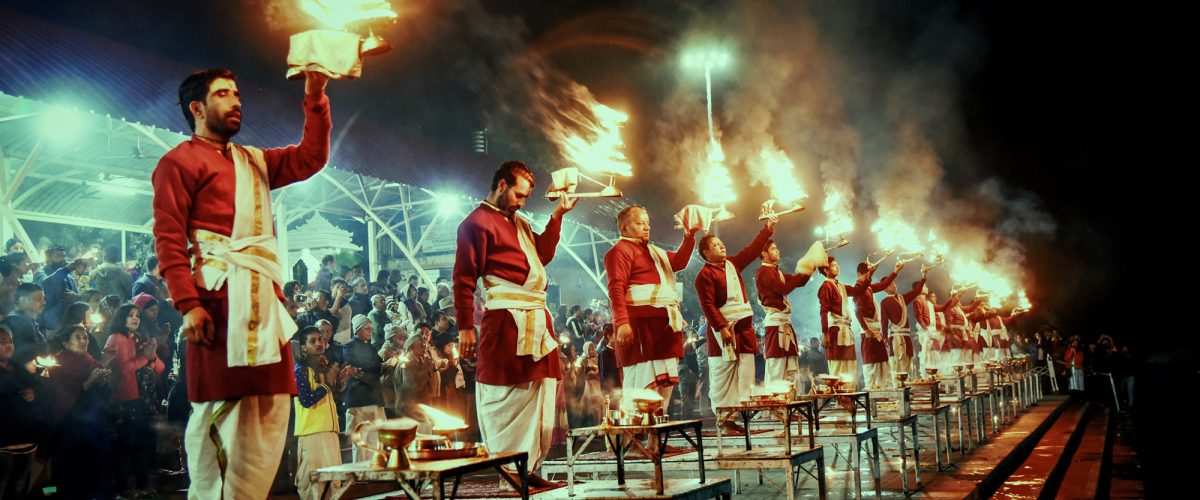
x,y
783,411
425,472
622,437
640,489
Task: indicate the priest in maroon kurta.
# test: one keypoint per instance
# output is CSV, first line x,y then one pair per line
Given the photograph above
x,y
866,309
928,332
894,309
959,335
835,319
723,300
240,389
645,305
782,346
519,367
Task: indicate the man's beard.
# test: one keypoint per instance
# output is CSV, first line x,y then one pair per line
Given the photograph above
x,y
221,126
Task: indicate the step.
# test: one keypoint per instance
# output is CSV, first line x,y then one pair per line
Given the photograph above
x,y
1051,452
981,472
1087,465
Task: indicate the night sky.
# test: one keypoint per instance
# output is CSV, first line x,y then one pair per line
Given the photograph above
x,y
1025,95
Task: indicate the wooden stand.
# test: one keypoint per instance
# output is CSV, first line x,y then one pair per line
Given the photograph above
x,y
621,438
426,472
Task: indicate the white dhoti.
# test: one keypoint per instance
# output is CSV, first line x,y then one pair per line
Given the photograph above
x,y
315,451
785,368
257,424
730,382
900,361
876,375
518,417
929,357
844,369
645,375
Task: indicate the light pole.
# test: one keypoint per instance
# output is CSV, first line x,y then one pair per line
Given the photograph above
x,y
707,59
719,188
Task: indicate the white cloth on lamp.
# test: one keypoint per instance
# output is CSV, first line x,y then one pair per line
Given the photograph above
x,y
334,53
563,180
700,217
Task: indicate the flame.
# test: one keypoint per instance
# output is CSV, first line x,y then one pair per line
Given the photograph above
x,y
454,350
1023,301
837,210
894,234
716,185
777,387
441,420
605,152
785,188
579,362
404,359
46,361
643,394
338,14
564,339
97,318
998,286
939,247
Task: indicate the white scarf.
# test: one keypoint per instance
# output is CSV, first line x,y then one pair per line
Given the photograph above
x,y
247,263
781,318
839,319
663,295
526,302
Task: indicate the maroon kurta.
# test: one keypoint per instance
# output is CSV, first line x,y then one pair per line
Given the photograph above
x,y
831,301
194,188
774,286
873,350
926,318
1004,321
984,320
712,290
956,315
892,312
627,264
488,245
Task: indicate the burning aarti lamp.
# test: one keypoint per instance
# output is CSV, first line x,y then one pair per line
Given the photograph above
x,y
697,217
936,262
905,258
338,49
840,242
46,363
875,262
962,287
768,210
565,181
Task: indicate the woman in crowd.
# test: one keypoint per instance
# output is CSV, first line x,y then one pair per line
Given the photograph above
x,y
136,366
79,415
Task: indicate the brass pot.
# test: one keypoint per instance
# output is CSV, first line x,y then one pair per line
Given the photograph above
x,y
649,406
393,436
